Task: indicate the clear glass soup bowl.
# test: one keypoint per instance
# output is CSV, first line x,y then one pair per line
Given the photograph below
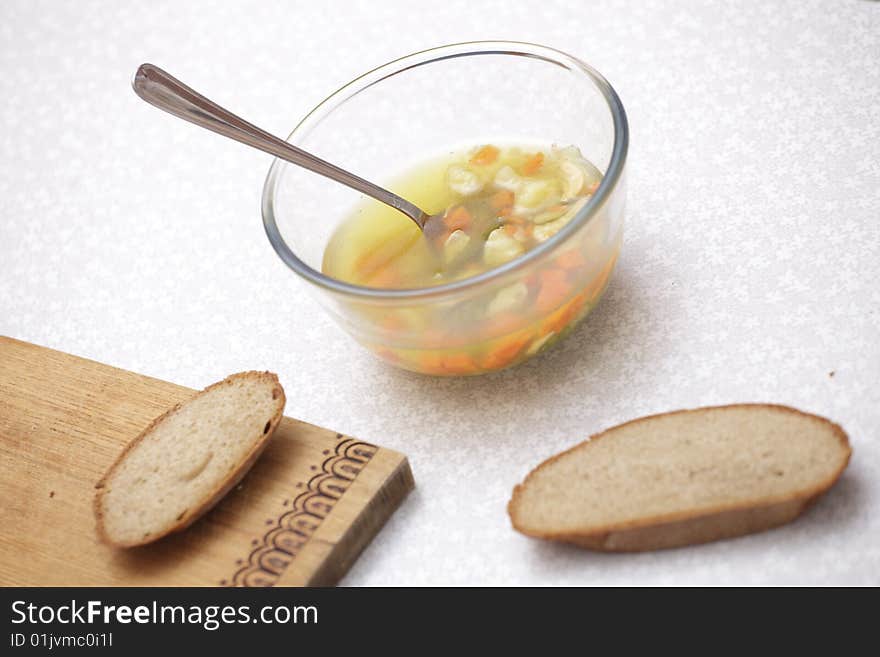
x,y
434,102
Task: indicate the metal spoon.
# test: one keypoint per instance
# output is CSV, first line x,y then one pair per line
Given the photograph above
x,y
168,93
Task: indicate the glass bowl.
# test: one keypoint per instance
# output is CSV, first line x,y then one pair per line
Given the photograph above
x,y
415,108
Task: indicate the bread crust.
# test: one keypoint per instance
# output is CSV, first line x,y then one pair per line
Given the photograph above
x,y
687,527
193,514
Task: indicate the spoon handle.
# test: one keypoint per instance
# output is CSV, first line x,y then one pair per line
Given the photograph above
x,y
168,93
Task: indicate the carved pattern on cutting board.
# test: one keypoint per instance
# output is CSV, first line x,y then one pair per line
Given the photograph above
x,y
278,547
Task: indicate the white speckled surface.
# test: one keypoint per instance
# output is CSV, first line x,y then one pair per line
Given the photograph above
x,y
749,272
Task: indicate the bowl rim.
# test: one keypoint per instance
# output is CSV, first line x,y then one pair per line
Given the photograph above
x,y
550,55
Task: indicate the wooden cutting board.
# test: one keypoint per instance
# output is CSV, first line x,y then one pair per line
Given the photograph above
x,y
301,516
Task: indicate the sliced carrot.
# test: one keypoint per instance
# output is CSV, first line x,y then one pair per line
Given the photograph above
x,y
554,288
430,363
486,155
516,220
433,362
510,229
458,218
505,353
554,322
532,164
459,364
561,318
577,304
571,259
501,200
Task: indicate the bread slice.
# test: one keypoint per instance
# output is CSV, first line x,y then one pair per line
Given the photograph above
x,y
187,459
684,477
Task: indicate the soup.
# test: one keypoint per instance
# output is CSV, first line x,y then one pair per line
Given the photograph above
x,y
493,204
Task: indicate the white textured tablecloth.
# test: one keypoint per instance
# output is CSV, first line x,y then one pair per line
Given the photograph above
x,y
750,269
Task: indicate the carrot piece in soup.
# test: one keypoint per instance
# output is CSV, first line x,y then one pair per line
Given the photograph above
x,y
563,317
516,220
554,322
431,363
485,155
458,364
505,353
458,219
532,164
440,363
502,202
554,289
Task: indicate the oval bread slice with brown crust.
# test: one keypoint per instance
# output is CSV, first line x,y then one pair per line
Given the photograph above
x,y
187,459
684,477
